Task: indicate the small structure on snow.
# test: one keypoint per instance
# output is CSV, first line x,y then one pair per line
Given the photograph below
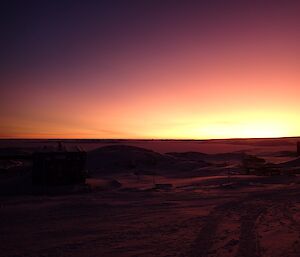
x,y
163,186
258,166
59,166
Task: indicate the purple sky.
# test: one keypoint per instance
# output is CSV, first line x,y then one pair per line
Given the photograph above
x,y
150,69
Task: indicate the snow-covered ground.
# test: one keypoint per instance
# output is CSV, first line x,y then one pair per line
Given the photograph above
x,y
206,212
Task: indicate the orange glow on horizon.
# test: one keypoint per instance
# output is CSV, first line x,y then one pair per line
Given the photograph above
x,y
244,126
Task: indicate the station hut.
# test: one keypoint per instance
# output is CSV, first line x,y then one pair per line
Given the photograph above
x,y
61,165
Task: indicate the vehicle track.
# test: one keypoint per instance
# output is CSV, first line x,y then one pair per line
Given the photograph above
x,y
248,209
205,239
249,243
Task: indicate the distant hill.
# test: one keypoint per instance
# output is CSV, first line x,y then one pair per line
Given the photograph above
x,y
123,158
290,164
198,156
120,158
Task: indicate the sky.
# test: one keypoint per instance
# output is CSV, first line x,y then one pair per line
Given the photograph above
x,y
149,69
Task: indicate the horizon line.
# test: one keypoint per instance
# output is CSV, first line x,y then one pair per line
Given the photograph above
x,y
154,139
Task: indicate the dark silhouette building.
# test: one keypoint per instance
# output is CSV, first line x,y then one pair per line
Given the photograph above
x,y
298,148
59,166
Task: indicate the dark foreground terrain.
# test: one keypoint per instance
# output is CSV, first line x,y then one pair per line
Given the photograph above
x,y
253,221
180,204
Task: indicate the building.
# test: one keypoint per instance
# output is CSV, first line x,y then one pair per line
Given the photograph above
x,y
298,148
252,163
58,166
163,186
